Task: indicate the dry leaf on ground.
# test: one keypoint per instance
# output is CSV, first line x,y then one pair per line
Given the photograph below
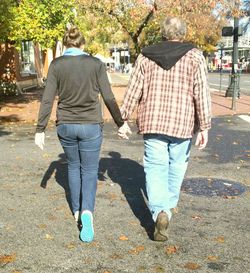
x,y
5,259
123,238
196,217
70,245
192,266
137,250
220,239
171,250
49,237
212,258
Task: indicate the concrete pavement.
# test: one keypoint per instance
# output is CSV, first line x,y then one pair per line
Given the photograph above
x,y
210,233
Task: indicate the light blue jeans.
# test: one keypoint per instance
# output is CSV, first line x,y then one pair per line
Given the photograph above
x,y
165,164
81,144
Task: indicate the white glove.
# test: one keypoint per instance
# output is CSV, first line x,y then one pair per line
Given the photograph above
x,y
39,140
124,130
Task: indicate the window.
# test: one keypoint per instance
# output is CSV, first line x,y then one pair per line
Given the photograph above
x,y
27,58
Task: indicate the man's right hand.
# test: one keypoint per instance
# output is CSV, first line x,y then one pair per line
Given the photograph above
x,y
124,130
202,139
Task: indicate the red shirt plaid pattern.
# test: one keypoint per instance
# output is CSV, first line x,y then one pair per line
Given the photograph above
x,y
173,102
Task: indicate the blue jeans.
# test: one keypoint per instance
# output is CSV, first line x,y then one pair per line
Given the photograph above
x,y
81,144
165,164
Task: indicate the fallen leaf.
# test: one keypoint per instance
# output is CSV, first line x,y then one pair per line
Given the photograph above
x,y
112,196
159,269
123,238
196,217
192,266
49,237
70,245
116,256
5,259
52,218
212,258
42,226
229,197
137,250
171,250
220,239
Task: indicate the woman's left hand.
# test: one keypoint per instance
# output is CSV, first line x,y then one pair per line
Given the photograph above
x,y
39,140
124,130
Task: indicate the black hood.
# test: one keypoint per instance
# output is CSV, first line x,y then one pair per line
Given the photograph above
x,y
166,54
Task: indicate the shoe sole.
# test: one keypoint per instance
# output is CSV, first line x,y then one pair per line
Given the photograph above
x,y
87,231
160,233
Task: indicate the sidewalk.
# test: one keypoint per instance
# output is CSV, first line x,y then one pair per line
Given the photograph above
x,y
210,233
222,105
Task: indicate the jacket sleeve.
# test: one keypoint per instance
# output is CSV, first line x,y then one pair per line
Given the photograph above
x,y
108,96
202,99
134,89
47,100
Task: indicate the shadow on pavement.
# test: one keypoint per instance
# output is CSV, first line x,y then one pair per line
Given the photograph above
x,y
130,176
59,169
9,118
227,143
4,133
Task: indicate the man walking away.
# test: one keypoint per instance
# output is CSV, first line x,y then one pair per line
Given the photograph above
x,y
169,86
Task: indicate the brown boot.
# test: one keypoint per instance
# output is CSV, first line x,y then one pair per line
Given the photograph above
x,y
161,226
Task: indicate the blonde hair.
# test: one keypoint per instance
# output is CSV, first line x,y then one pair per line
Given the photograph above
x,y
174,28
73,37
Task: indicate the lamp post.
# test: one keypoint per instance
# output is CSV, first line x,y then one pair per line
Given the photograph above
x,y
234,90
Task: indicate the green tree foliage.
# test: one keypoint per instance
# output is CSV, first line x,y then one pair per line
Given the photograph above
x,y
41,21
6,17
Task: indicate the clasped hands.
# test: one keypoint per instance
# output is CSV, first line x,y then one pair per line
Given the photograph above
x,y
124,130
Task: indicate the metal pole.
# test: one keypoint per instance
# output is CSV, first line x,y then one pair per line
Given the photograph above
x,y
221,66
235,62
233,90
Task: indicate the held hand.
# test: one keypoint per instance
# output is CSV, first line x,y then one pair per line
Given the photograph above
x,y
39,140
124,130
201,140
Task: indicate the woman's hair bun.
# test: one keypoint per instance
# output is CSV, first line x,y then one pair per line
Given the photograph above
x,y
73,37
74,32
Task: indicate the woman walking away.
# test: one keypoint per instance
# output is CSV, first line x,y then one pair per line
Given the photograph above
x,y
77,79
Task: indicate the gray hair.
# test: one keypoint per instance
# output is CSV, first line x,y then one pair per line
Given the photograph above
x,y
174,28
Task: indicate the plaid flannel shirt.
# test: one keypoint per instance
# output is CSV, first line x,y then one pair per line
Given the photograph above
x,y
173,102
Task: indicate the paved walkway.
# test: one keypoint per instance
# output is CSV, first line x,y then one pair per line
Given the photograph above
x,y
210,233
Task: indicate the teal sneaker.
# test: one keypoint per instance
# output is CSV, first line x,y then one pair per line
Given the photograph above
x,y
87,231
